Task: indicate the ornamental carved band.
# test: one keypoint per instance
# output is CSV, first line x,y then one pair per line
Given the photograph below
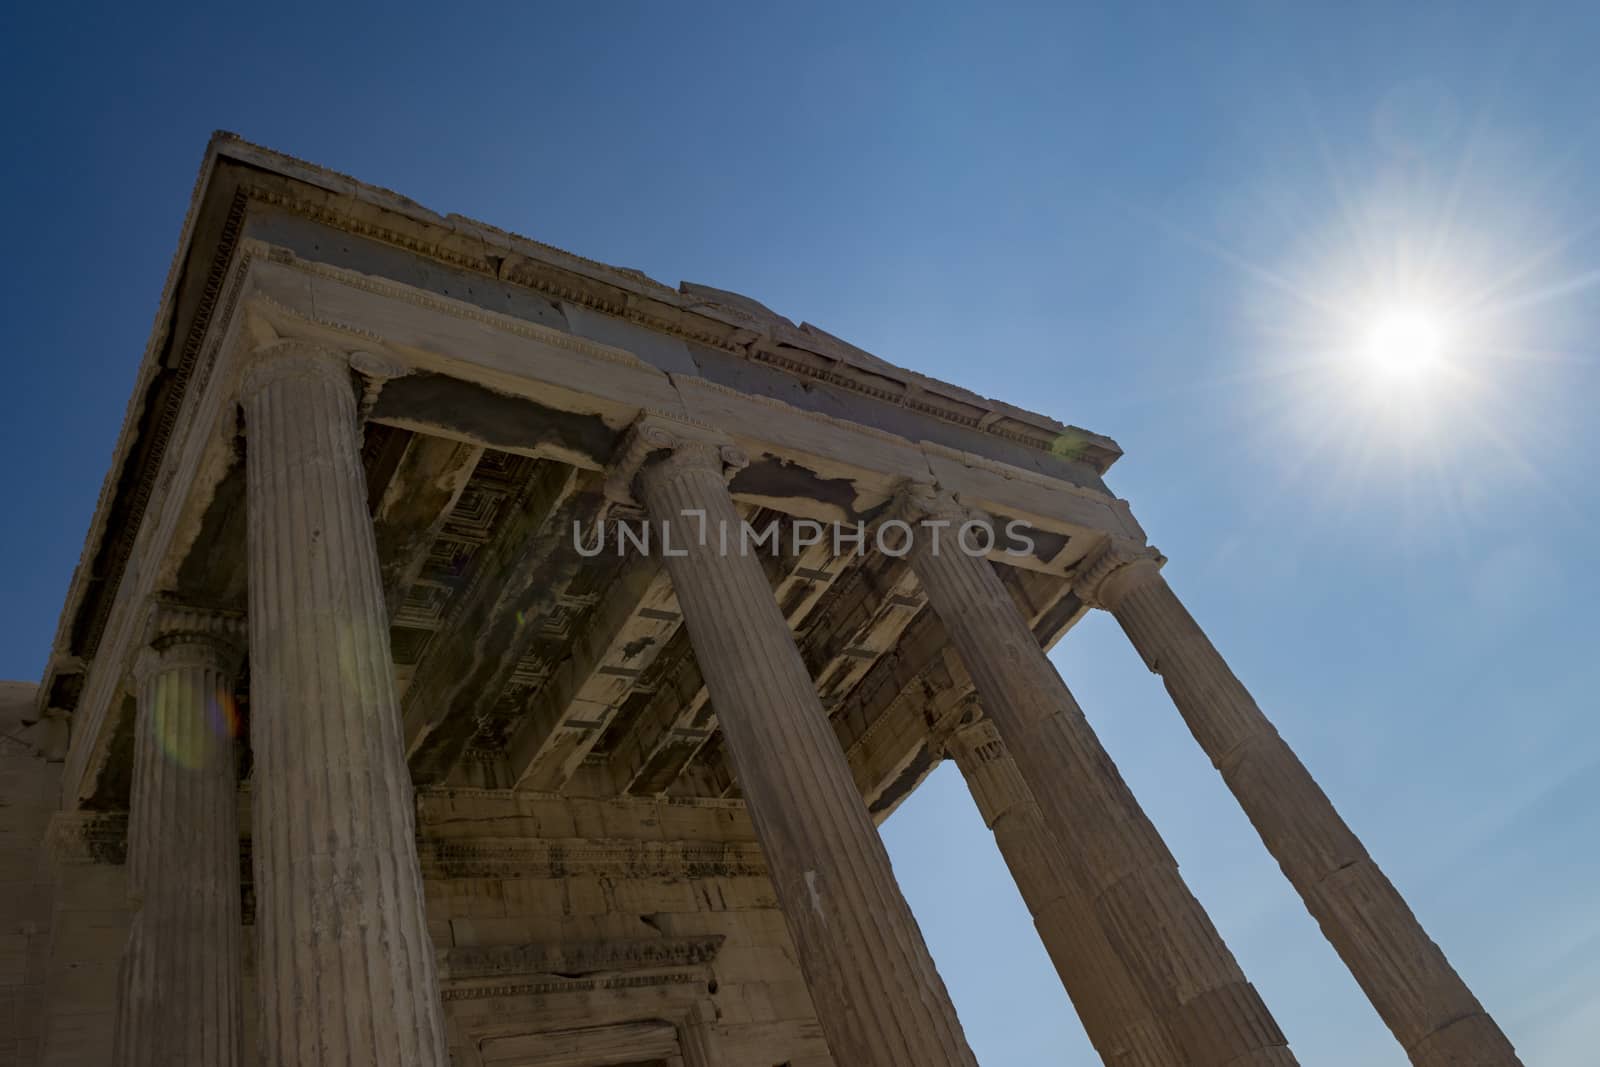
x,y
181,635
1105,573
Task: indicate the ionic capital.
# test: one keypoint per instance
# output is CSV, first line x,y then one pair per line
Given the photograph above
x,y
1110,571
178,635
654,441
292,358
916,502
376,369
969,729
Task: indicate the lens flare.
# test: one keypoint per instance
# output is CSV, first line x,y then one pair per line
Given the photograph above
x,y
187,734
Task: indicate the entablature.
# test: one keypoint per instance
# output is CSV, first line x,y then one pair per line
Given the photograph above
x,y
476,347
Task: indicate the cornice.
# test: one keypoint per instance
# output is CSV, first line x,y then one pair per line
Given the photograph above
x,y
116,540
148,367
1011,472
409,294
803,351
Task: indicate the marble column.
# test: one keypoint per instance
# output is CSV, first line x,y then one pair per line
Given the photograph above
x,y
1115,1014
1162,934
179,1002
1419,995
346,970
878,996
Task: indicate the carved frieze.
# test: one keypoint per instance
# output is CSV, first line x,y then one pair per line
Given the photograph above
x,y
88,837
517,857
567,959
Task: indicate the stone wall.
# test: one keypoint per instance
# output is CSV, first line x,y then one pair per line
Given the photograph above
x,y
89,930
593,916
27,797
35,995
566,928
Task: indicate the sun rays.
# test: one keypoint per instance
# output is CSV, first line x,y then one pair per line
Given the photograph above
x,y
1406,338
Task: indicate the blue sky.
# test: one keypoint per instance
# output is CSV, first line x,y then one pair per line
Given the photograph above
x,y
1173,227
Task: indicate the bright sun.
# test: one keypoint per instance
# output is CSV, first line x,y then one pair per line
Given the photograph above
x,y
1425,320
1405,345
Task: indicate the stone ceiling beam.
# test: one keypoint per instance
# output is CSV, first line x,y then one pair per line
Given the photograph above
x,y
516,580
926,695
892,722
677,722
865,621
571,710
420,487
891,751
669,731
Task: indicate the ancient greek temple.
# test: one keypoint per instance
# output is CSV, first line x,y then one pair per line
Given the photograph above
x,y
364,742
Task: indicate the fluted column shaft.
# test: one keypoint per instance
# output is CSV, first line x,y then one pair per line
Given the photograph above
x,y
878,996
346,969
1162,934
1408,979
1115,1013
179,1002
